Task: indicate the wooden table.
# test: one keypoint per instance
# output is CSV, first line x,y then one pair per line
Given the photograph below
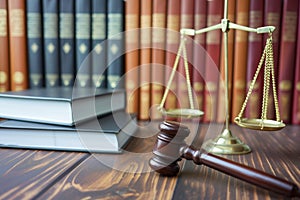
x,y
34,174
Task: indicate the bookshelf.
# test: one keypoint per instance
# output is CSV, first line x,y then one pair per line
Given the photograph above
x,y
283,14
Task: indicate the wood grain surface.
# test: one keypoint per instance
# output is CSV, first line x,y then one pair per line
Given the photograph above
x,y
30,174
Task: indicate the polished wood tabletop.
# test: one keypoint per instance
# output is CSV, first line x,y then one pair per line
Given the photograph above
x,y
36,174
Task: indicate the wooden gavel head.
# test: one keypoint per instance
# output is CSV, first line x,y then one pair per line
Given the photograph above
x,y
167,148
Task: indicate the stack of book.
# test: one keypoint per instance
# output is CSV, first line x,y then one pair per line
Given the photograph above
x,y
61,118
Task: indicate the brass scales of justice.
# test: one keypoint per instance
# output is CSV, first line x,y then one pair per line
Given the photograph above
x,y
226,143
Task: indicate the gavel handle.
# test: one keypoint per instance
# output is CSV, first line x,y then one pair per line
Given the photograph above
x,y
243,172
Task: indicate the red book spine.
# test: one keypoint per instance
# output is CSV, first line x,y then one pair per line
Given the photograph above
x,y
273,18
172,45
287,58
158,55
186,21
255,50
213,47
145,56
240,58
198,53
132,23
296,99
4,56
221,95
17,41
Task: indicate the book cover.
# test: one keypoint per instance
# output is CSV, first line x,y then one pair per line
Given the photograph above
x,y
115,43
240,58
51,43
67,42
296,95
107,134
99,35
221,93
186,21
4,51
158,56
83,42
255,50
272,17
200,19
172,45
287,63
60,105
145,59
17,45
213,48
132,38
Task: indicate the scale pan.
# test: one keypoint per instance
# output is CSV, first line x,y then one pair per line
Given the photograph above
x,y
188,113
259,124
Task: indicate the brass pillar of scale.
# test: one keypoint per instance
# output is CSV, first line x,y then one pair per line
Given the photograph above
x,y
226,143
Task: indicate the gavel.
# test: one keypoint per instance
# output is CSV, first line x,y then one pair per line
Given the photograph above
x,y
170,148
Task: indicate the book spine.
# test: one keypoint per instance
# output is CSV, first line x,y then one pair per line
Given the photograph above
x,y
158,55
99,35
172,45
115,43
221,93
296,96
51,42
255,50
213,47
132,37
145,56
186,21
67,42
287,63
35,43
272,16
240,58
200,19
82,42
4,50
17,44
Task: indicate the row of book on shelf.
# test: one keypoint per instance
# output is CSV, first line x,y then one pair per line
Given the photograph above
x,y
50,43
244,53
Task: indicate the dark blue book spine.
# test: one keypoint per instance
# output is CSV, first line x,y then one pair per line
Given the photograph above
x,y
99,35
51,42
35,43
83,43
115,43
67,42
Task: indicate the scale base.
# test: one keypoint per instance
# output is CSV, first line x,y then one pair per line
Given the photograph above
x,y
226,143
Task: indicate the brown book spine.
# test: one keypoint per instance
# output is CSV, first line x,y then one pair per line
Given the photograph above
x,y
132,23
221,95
17,41
172,45
4,56
145,56
158,55
287,58
186,21
199,53
272,17
240,58
296,96
213,47
255,50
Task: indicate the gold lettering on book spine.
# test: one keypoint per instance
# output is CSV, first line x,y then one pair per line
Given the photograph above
x,y
83,23
98,26
34,25
3,22
17,21
66,26
51,25
290,27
